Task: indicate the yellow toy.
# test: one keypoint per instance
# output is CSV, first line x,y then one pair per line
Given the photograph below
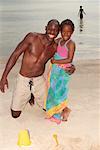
x,y
24,138
56,139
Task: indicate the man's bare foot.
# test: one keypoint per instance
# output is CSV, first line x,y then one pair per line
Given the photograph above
x,y
31,101
65,114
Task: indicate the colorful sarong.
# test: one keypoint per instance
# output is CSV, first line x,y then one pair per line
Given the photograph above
x,y
57,92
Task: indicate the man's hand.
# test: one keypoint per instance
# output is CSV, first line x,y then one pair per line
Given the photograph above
x,y
3,83
70,70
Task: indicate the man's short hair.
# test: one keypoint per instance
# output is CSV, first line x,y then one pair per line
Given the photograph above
x,y
55,21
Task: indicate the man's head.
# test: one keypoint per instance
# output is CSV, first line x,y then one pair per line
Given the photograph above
x,y
52,29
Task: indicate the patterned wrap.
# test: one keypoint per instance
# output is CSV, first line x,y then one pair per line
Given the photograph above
x,y
58,89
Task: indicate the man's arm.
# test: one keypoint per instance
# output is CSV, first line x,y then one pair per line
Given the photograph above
x,y
70,70
22,46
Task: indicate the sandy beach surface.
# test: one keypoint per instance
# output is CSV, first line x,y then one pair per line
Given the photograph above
x,y
80,132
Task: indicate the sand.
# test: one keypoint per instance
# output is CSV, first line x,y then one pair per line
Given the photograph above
x,y
80,132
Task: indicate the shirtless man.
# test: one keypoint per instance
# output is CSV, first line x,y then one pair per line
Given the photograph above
x,y
37,49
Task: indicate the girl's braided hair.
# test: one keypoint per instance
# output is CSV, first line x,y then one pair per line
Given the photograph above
x,y
67,22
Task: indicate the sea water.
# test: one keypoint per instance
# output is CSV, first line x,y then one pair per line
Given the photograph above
x,y
19,17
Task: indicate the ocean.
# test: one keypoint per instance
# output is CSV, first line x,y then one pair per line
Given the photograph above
x,y
19,17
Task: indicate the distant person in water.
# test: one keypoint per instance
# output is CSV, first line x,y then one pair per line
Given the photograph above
x,y
81,12
37,49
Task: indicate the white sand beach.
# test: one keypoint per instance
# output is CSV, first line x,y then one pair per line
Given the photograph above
x,y
80,132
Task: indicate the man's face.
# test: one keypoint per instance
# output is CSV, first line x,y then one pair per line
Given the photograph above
x,y
52,30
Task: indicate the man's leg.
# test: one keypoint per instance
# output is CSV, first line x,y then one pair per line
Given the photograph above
x,y
40,91
15,114
21,96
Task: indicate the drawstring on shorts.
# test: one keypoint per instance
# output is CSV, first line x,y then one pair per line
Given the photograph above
x,y
32,96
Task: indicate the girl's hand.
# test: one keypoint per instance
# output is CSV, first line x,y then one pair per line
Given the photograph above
x,y
52,60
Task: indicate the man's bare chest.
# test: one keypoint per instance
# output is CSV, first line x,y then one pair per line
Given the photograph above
x,y
42,50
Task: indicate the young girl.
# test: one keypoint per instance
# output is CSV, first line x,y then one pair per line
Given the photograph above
x,y
56,103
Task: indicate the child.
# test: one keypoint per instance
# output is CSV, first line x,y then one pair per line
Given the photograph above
x,y
81,12
56,103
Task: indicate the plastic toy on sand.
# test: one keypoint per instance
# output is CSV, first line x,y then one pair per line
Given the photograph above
x,y
56,139
24,138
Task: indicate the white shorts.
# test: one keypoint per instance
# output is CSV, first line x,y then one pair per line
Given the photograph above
x,y
22,93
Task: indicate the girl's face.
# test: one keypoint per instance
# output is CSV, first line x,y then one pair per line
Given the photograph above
x,y
66,32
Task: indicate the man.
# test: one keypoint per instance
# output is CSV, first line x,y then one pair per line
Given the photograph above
x,y
37,49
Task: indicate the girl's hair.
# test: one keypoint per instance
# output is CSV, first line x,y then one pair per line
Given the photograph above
x,y
67,22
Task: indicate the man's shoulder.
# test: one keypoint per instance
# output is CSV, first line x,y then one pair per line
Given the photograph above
x,y
32,36
55,45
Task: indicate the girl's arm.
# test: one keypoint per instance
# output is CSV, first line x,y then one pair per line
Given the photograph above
x,y
70,56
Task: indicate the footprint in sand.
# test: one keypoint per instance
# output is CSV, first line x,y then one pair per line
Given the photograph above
x,y
58,147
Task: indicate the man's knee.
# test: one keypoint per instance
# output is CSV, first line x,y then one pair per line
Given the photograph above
x,y
15,114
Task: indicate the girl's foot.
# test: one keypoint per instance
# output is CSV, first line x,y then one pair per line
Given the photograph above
x,y
55,120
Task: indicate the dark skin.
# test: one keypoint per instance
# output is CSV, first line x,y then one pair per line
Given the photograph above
x,y
37,49
81,12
